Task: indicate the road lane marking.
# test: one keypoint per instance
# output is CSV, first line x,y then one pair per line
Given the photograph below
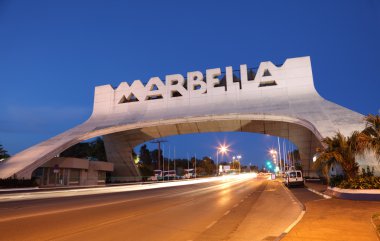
x,y
235,205
226,213
319,193
211,224
295,222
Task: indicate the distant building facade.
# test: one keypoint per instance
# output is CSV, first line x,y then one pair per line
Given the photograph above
x,y
69,171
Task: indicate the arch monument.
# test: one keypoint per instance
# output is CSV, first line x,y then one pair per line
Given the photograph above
x,y
275,100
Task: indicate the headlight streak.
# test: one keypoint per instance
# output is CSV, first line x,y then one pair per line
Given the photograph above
x,y
226,182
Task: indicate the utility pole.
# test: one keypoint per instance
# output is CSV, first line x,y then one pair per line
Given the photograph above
x,y
195,164
159,141
279,152
174,164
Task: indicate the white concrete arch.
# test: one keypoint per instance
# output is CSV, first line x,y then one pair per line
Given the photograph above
x,y
300,132
277,97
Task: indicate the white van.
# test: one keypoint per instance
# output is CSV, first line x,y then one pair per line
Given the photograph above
x,y
188,173
170,175
157,176
294,178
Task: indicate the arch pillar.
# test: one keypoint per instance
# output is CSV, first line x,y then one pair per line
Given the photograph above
x,y
119,152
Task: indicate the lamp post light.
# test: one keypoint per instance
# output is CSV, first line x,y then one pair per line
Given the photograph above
x,y
273,153
223,149
239,157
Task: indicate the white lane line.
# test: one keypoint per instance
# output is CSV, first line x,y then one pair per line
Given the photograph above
x,y
242,200
226,213
319,193
235,205
295,222
211,224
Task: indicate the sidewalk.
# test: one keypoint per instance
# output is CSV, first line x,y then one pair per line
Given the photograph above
x,y
335,219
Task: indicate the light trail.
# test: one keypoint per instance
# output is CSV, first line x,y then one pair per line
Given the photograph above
x,y
227,180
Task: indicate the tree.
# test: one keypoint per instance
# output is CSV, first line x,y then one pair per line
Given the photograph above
x,y
97,149
254,168
94,149
3,152
145,155
80,150
154,157
370,136
339,150
208,166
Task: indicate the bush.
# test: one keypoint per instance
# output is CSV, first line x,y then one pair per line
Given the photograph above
x,y
336,180
366,180
17,183
361,182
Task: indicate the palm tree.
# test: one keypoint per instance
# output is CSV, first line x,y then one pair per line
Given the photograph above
x,y
339,150
370,136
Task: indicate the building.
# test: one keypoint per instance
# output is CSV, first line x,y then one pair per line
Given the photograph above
x,y
69,171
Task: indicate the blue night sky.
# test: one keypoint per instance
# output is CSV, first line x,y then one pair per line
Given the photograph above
x,y
53,54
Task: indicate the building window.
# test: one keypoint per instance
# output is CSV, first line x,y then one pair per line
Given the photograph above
x,y
101,176
74,177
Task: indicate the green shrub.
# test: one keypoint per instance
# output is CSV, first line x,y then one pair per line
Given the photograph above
x,y
336,180
17,183
368,182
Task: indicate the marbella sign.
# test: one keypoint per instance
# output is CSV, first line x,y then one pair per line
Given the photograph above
x,y
195,84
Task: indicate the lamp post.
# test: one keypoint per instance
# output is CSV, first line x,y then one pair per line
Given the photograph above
x,y
223,149
273,153
239,157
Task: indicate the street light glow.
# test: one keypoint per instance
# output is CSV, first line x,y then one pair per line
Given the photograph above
x,y
273,152
223,149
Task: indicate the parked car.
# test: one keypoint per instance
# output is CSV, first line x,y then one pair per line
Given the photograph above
x,y
294,178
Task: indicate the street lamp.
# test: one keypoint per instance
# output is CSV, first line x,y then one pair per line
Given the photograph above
x,y
273,154
239,157
222,149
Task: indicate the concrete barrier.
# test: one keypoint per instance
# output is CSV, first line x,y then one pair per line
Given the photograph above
x,y
354,194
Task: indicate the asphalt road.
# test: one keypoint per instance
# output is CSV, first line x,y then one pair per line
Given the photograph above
x,y
303,195
224,209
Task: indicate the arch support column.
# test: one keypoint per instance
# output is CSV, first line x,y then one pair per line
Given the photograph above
x,y
119,152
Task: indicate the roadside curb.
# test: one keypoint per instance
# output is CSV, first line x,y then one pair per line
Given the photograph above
x,y
299,218
355,194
